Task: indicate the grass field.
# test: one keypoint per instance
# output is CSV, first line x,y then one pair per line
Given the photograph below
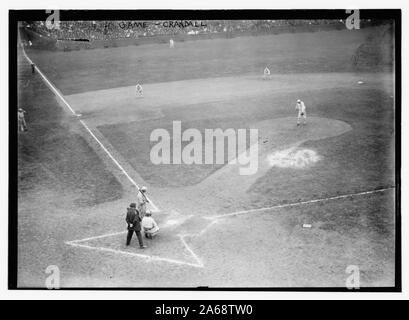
x,y
72,197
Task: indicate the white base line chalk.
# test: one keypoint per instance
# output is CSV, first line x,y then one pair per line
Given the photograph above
x,y
133,254
199,263
78,243
250,211
57,93
155,208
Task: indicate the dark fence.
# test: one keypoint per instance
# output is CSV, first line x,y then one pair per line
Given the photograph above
x,y
377,52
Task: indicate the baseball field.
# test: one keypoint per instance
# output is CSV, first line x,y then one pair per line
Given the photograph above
x,y
322,199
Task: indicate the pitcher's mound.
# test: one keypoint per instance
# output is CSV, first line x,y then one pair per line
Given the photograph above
x,y
284,139
283,132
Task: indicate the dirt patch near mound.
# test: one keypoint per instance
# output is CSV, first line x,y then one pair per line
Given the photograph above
x,y
292,158
279,139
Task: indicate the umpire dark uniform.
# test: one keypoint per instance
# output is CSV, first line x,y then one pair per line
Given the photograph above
x,y
134,225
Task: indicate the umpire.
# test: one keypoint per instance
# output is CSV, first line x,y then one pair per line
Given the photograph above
x,y
134,225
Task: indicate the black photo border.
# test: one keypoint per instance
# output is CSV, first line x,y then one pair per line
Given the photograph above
x,y
41,15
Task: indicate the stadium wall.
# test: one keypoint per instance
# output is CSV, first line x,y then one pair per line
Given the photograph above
x,y
43,42
377,52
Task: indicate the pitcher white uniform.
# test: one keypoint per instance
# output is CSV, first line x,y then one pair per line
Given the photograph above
x,y
302,112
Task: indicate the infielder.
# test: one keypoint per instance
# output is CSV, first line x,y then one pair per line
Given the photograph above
x,y
142,200
300,106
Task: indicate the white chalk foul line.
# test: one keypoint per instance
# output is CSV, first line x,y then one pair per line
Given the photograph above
x,y
133,254
50,85
250,211
199,263
56,92
155,208
96,237
194,255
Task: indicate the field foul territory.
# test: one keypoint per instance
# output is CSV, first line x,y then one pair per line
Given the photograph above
x,y
64,101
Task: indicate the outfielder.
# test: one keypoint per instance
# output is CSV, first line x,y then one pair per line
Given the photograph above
x,y
142,200
302,112
139,90
266,73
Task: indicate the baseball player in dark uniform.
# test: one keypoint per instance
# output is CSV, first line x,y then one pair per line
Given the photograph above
x,y
134,225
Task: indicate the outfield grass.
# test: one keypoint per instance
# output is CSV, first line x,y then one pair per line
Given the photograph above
x,y
88,70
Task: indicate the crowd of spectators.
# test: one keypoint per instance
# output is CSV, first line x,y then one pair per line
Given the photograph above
x,y
102,30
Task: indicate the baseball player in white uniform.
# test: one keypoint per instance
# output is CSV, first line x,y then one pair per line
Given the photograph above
x,y
139,90
22,125
142,200
302,112
266,73
149,225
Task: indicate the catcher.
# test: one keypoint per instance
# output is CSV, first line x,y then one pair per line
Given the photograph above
x,y
149,225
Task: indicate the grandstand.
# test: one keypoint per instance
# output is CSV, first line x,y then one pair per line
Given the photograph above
x,y
101,30
77,35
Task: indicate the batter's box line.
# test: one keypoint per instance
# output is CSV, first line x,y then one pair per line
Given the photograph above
x,y
149,258
214,220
